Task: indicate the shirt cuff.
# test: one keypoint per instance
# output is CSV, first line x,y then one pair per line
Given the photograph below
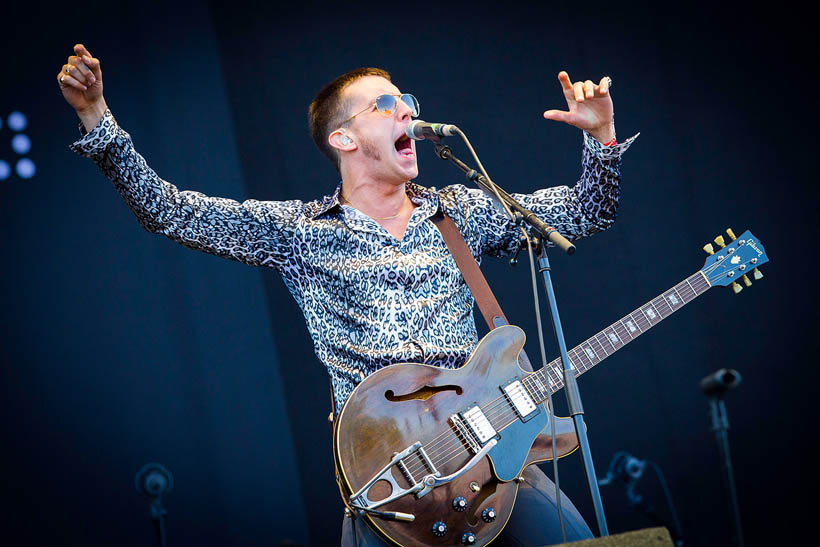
x,y
96,141
604,152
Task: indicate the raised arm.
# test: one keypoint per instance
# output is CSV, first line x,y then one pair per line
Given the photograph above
x,y
254,232
583,209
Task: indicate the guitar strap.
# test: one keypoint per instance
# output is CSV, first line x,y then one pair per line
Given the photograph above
x,y
476,282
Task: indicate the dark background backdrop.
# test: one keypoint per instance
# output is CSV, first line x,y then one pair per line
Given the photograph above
x,y
121,348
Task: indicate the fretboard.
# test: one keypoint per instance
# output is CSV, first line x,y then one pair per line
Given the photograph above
x,y
595,349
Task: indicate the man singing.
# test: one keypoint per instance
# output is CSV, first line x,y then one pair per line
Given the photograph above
x,y
370,271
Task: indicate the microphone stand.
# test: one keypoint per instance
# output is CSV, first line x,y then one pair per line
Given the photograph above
x,y
570,384
715,387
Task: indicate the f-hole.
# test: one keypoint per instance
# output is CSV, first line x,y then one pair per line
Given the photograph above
x,y
422,394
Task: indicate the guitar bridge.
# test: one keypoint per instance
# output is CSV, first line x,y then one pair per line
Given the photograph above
x,y
433,479
359,500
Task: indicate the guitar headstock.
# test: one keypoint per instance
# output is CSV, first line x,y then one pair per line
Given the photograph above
x,y
733,262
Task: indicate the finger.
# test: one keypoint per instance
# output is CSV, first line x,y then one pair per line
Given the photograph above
x,y
566,83
578,90
603,87
66,80
74,72
85,72
557,115
93,64
589,89
80,50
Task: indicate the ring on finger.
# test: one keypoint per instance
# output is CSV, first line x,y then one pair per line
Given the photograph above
x,y
68,69
608,81
62,79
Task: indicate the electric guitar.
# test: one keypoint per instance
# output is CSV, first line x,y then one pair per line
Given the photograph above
x,y
431,456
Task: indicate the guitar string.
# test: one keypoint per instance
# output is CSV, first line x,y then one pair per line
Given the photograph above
x,y
434,450
682,289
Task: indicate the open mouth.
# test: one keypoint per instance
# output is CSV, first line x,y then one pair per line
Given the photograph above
x,y
404,146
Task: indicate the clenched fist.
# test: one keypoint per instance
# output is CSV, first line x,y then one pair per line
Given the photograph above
x,y
80,80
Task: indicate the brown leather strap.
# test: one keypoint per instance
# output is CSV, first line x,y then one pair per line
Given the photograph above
x,y
470,271
477,283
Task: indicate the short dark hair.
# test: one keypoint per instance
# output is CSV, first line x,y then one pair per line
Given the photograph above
x,y
327,110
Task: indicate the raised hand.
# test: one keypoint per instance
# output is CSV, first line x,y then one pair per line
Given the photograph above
x,y
590,107
80,80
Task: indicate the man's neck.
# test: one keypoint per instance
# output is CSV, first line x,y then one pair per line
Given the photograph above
x,y
377,199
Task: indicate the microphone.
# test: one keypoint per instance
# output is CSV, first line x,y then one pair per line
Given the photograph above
x,y
719,382
623,466
420,130
154,480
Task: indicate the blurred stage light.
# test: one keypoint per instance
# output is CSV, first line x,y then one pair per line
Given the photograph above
x,y
21,144
25,168
17,121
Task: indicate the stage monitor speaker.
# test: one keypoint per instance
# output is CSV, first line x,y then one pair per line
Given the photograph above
x,y
649,537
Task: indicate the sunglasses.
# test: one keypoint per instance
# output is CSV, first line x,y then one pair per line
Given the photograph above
x,y
387,105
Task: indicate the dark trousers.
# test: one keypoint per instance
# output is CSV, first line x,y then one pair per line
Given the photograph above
x,y
534,519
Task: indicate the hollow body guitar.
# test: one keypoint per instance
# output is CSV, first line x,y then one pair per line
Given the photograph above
x,y
429,456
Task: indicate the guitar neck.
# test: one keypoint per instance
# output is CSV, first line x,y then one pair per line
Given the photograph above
x,y
595,349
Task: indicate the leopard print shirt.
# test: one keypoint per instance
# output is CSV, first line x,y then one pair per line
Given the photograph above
x,y
369,300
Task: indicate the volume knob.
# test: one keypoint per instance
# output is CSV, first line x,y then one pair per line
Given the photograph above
x,y
439,529
488,514
468,538
460,503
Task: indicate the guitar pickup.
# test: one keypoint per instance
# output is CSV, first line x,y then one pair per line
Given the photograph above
x,y
474,428
520,400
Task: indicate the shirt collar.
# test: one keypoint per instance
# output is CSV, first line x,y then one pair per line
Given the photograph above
x,y
426,198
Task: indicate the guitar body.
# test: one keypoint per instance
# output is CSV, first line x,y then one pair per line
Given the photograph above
x,y
404,403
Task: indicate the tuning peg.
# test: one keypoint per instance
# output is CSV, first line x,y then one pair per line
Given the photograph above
x,y
736,287
709,249
731,234
746,280
757,274
719,240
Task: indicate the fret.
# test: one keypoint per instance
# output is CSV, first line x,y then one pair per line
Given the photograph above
x,y
528,384
694,292
659,303
614,339
673,297
542,387
590,353
624,330
536,382
648,322
579,356
654,312
623,333
555,382
593,350
601,345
